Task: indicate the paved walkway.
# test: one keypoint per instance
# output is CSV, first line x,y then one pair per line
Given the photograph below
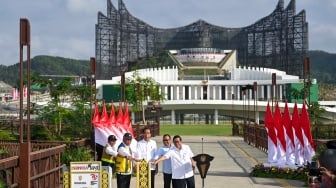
x,y
233,161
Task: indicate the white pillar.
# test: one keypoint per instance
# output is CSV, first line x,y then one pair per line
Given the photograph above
x,y
189,93
233,91
172,92
214,92
166,91
269,92
208,92
257,117
220,93
173,117
183,92
177,92
196,92
216,117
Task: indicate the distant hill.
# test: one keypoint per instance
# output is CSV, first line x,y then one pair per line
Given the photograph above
x,y
322,66
46,65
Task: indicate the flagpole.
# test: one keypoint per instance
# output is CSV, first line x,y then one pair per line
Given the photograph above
x,y
202,153
92,97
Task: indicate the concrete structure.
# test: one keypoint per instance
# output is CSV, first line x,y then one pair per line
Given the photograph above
x,y
233,97
278,40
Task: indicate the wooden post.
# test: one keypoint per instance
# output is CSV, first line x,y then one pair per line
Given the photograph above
x,y
24,162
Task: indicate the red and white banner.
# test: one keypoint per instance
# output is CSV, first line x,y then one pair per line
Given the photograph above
x,y
308,148
272,138
298,138
290,145
106,125
281,142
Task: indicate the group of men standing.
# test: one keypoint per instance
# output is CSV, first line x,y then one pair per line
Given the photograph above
x,y
177,166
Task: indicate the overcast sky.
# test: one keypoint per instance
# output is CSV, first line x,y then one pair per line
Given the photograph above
x,y
66,28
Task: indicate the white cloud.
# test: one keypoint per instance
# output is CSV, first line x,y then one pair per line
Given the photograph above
x,y
332,3
84,6
67,27
323,37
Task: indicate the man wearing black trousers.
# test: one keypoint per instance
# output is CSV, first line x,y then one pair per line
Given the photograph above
x,y
146,149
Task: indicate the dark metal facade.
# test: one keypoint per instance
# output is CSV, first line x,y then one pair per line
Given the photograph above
x,y
279,40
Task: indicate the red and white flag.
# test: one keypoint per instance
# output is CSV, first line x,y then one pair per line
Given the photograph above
x,y
100,133
308,148
96,117
120,119
112,124
104,116
127,120
272,138
298,138
290,146
281,142
104,121
25,92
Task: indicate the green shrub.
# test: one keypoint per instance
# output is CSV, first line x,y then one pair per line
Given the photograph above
x,y
6,135
40,133
73,154
2,184
260,170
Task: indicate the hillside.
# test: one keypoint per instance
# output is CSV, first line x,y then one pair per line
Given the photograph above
x,y
46,65
323,67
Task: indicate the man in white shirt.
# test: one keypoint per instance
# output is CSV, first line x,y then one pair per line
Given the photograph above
x,y
182,164
146,149
166,164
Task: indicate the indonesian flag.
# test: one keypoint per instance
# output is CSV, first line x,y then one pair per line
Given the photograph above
x,y
112,119
127,120
298,138
272,139
104,121
15,93
308,148
100,133
104,116
96,117
120,119
281,144
112,124
290,146
25,92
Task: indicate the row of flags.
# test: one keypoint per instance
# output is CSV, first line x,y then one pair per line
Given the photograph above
x,y
290,140
111,124
16,93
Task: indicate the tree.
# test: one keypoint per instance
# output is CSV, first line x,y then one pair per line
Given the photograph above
x,y
315,111
141,91
68,106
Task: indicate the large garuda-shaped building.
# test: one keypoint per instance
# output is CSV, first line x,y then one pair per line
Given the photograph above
x,y
279,40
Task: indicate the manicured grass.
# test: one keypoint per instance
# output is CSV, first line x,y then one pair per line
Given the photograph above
x,y
206,130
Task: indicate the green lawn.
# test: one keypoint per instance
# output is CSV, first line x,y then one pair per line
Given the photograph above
x,y
206,130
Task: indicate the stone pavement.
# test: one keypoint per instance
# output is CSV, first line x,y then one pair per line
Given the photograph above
x,y
233,161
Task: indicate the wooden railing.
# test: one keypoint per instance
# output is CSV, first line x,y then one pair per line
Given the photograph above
x,y
45,168
12,146
257,136
46,159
